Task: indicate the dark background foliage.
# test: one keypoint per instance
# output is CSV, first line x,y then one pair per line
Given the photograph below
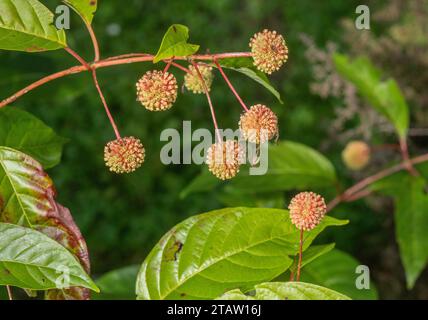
x,y
123,216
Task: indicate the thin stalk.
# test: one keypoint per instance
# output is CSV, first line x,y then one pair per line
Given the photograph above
x,y
230,85
110,117
363,184
78,58
94,42
179,66
209,100
299,264
112,61
405,154
168,65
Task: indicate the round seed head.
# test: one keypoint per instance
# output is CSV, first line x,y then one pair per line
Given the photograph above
x,y
259,124
307,210
223,159
193,82
356,155
124,155
157,90
269,51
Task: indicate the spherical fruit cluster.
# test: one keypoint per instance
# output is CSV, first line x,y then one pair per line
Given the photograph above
x,y
356,155
124,155
193,82
269,51
259,124
157,90
306,210
223,159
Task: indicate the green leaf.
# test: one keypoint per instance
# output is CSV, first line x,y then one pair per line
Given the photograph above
x,y
85,8
385,96
27,26
27,198
24,132
118,284
31,260
285,291
208,254
311,254
174,43
291,165
246,66
411,220
336,270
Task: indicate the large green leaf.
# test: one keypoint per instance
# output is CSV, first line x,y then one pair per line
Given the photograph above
x,y
208,254
85,8
118,284
27,197
385,96
285,291
337,270
311,254
27,26
174,43
24,132
291,165
411,220
31,260
246,67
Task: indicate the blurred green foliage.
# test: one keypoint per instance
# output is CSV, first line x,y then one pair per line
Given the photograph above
x,y
122,217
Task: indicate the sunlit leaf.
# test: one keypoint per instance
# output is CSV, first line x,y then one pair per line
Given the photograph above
x,y
85,8
29,259
285,291
174,43
208,254
27,198
28,26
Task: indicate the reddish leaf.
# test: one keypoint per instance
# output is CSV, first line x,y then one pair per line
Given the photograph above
x,y
27,197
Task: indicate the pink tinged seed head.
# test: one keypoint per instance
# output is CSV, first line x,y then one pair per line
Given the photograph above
x,y
259,124
124,155
193,82
224,158
269,51
157,90
307,210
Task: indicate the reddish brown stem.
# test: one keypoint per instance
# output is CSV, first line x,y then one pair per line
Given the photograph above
x,y
168,64
209,100
94,42
9,292
405,154
382,147
363,184
299,264
230,84
179,66
110,117
116,60
78,58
